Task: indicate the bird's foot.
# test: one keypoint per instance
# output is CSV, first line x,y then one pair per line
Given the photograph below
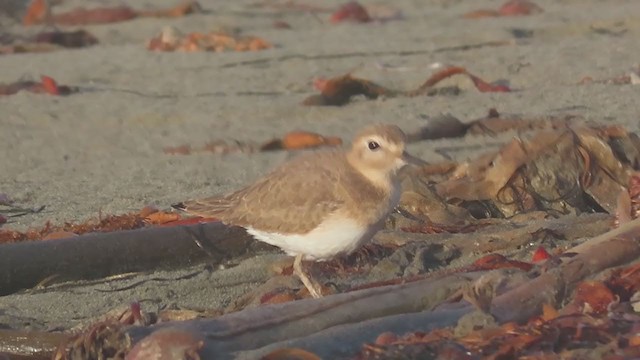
x,y
314,288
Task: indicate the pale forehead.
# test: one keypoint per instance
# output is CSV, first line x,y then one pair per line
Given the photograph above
x,y
390,133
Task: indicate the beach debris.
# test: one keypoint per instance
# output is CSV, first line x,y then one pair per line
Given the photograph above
x,y
435,228
104,224
154,216
221,147
146,217
495,122
170,39
59,235
631,78
28,343
498,261
189,221
541,254
294,140
29,47
448,126
290,6
593,297
519,8
381,12
571,170
67,39
106,334
48,41
291,353
338,91
39,12
510,8
628,202
351,11
280,295
297,140
177,150
168,344
8,209
108,223
571,335
46,85
598,316
281,24
5,199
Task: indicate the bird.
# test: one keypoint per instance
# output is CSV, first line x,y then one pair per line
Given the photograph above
x,y
321,204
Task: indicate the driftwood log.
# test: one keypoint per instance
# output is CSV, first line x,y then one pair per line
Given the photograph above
x,y
614,248
335,326
97,255
255,328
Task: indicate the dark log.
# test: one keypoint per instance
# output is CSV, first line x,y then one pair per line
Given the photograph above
x,y
613,248
254,328
97,255
341,342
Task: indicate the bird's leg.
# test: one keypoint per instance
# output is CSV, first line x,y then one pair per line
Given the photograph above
x,y
313,287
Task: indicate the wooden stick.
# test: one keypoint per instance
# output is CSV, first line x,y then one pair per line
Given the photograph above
x,y
258,327
613,248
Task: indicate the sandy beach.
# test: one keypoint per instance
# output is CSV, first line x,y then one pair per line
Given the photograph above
x,y
100,151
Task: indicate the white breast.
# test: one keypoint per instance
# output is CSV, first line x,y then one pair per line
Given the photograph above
x,y
336,236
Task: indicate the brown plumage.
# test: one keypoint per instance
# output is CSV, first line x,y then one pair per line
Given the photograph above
x,y
299,195
322,204
296,196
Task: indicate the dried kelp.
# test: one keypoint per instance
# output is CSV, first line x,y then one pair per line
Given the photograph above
x,y
46,85
48,41
170,39
40,12
293,140
566,170
338,91
510,8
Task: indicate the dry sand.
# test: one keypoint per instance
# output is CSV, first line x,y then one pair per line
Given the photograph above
x,y
101,150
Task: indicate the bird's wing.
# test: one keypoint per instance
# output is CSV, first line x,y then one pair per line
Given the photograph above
x,y
295,198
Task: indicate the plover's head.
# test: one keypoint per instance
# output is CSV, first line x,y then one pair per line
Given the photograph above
x,y
378,151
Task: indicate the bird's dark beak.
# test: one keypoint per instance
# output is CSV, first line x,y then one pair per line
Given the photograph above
x,y
412,160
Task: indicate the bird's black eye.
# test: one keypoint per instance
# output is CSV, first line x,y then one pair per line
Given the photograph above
x,y
373,145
